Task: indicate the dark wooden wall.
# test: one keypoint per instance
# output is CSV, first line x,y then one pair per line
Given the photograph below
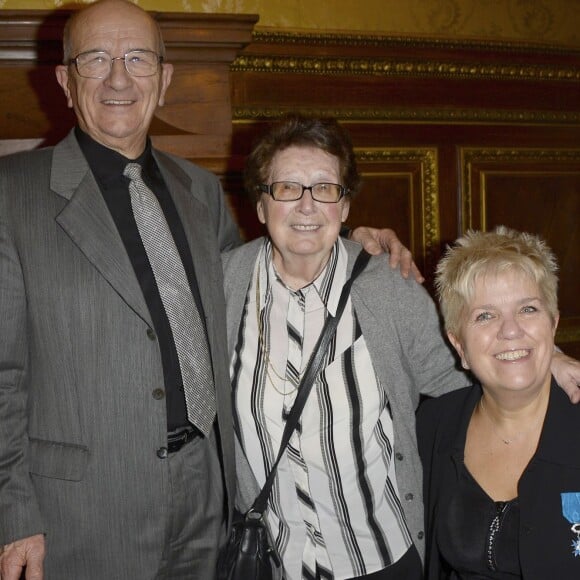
x,y
449,135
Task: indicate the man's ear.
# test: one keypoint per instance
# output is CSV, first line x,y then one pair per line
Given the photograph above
x,y
454,340
62,78
166,76
345,210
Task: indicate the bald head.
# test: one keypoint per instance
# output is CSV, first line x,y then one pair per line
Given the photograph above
x,y
83,17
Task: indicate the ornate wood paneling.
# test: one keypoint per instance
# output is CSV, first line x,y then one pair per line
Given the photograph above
x,y
449,134
405,79
400,187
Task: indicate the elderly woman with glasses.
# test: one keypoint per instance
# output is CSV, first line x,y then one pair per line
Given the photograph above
x,y
346,501
501,458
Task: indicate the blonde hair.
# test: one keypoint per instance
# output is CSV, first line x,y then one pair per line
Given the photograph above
x,y
479,253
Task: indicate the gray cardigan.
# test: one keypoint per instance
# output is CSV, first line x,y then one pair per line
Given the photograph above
x,y
402,332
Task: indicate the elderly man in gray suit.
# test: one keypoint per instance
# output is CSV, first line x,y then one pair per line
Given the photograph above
x,y
116,442
102,466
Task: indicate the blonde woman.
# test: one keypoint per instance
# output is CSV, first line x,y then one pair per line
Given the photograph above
x,y
500,458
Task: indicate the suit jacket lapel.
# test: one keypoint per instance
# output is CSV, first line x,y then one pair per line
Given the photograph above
x,y
558,442
87,221
195,218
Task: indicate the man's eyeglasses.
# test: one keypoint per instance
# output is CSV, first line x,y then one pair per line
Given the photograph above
x,y
97,64
293,191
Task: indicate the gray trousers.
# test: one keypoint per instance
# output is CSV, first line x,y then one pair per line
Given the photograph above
x,y
196,527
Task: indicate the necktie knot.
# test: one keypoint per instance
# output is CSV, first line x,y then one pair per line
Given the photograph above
x,y
132,171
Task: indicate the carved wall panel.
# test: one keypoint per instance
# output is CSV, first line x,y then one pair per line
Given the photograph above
x,y
400,187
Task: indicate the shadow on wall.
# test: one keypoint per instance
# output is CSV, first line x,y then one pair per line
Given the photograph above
x,y
51,101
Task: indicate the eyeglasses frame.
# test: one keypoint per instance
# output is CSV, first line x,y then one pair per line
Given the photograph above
x,y
265,188
113,59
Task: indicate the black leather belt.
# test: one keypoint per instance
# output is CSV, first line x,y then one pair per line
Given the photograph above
x,y
177,439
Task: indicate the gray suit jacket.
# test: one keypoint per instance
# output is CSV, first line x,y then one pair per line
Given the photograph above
x,y
79,425
401,329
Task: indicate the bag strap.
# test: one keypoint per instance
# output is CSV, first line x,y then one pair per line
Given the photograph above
x,y
312,369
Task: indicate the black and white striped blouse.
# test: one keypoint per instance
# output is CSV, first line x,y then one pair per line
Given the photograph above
x,y
335,504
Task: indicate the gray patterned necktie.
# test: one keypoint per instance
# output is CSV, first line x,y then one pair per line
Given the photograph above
x,y
184,318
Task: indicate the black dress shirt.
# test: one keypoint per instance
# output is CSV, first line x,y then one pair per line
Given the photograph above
x,y
107,167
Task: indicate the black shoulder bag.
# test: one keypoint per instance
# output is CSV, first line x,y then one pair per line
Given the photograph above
x,y
250,552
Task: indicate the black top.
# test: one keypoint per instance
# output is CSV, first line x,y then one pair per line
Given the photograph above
x,y
107,166
478,537
544,531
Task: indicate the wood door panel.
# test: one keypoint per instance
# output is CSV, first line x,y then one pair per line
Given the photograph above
x,y
386,198
400,189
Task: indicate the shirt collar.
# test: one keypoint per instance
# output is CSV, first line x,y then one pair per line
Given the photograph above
x,y
328,284
107,164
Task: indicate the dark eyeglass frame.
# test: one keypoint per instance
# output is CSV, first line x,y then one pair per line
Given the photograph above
x,y
113,59
269,189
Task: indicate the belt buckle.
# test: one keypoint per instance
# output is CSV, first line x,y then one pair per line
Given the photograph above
x,y
182,438
178,440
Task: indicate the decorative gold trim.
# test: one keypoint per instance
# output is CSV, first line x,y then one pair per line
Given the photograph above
x,y
417,115
427,159
377,40
401,68
521,154
469,155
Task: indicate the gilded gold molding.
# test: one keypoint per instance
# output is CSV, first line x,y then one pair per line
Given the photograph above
x,y
418,115
520,154
377,40
429,216
471,155
405,68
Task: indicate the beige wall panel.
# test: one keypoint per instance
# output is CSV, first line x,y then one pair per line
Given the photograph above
x,y
551,21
